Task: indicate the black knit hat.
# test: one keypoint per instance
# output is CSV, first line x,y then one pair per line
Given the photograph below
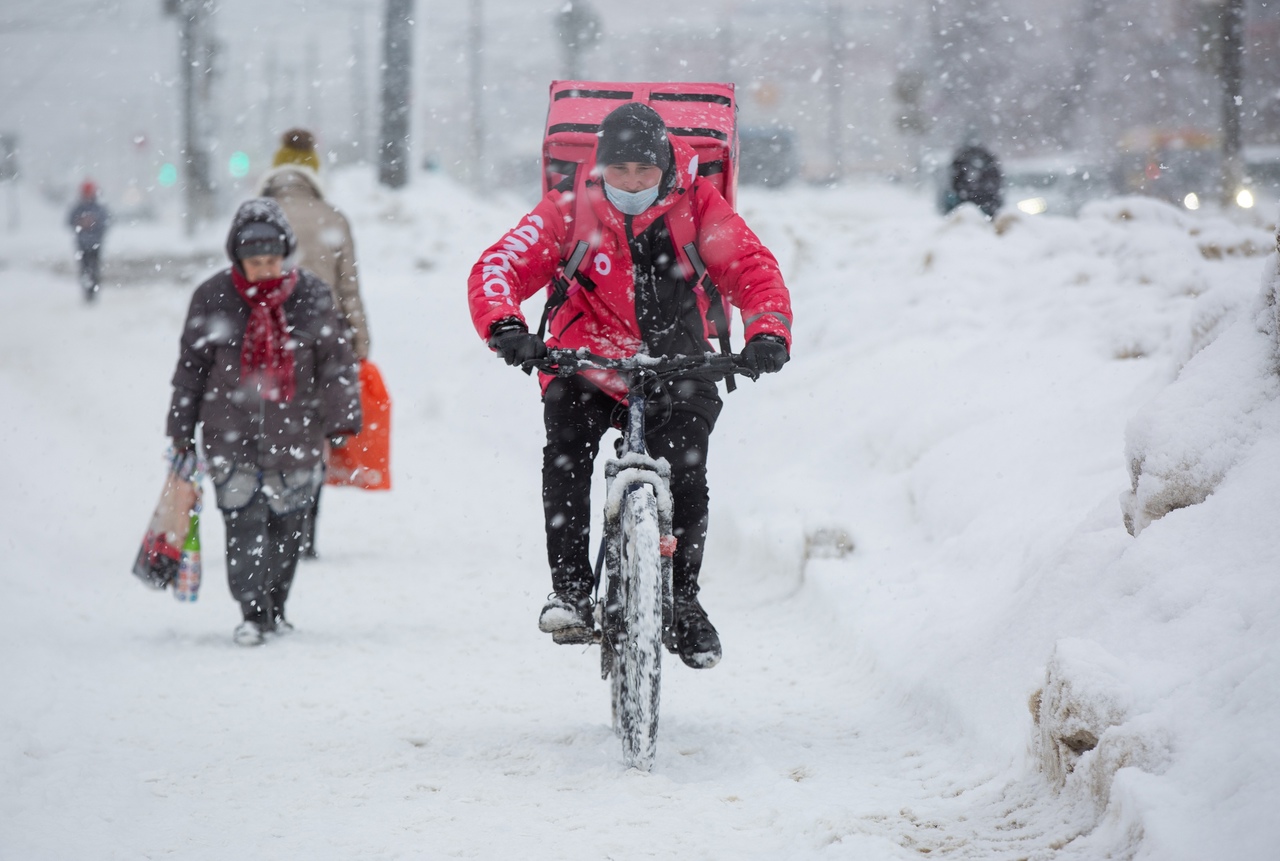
x,y
633,132
259,238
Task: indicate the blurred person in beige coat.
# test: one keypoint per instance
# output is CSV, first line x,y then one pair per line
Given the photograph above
x,y
324,246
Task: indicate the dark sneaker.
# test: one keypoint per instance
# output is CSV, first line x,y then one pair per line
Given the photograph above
x,y
567,618
692,636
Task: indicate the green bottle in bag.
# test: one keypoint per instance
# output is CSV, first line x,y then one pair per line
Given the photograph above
x,y
186,586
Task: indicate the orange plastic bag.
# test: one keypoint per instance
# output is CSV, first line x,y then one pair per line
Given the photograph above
x,y
365,461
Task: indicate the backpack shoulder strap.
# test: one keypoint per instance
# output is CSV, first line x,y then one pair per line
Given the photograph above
x,y
684,235
575,249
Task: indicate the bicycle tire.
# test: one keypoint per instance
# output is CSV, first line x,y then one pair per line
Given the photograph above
x,y
638,669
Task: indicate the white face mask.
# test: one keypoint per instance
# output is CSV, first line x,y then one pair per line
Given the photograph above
x,y
631,202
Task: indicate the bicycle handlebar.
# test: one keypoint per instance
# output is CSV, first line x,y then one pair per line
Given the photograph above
x,y
566,363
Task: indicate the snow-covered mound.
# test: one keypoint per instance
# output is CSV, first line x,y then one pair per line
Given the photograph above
x,y
1184,443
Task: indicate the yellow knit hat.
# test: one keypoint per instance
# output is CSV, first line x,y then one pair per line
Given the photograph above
x,y
297,146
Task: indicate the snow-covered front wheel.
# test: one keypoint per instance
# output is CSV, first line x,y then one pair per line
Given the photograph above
x,y
637,670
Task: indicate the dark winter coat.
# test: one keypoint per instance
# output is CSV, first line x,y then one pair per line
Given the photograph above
x,y
89,220
240,427
976,178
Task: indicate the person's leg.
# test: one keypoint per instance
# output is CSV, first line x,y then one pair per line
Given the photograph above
x,y
86,277
94,258
247,562
284,540
307,547
684,441
576,415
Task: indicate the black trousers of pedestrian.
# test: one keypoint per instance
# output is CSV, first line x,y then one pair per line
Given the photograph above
x,y
262,556
577,414
90,270
307,546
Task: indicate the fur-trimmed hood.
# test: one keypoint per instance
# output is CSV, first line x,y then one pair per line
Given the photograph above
x,y
295,179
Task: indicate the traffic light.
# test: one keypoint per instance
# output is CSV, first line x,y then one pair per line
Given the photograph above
x,y
238,164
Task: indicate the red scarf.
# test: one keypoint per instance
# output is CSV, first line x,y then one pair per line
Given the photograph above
x,y
266,357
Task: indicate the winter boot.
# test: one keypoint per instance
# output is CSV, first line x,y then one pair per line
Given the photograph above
x,y
692,636
256,625
567,617
249,633
279,624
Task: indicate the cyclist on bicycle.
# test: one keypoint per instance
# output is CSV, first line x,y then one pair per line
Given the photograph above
x,y
631,297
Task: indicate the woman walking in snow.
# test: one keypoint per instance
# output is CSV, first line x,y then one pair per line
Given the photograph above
x,y
267,373
325,247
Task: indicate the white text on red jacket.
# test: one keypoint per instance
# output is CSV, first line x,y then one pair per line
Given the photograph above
x,y
497,263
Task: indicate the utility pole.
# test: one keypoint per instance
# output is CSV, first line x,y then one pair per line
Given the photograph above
x,y
311,86
9,175
475,40
1232,78
359,95
271,115
397,68
835,86
195,59
578,26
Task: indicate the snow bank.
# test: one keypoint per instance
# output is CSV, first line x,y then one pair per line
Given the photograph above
x,y
1182,444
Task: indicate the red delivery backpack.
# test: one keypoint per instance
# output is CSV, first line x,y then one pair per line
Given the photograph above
x,y
702,115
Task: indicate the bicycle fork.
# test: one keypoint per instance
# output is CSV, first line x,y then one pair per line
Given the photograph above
x,y
622,476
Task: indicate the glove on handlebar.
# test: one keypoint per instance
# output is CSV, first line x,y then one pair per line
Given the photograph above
x,y
765,354
516,344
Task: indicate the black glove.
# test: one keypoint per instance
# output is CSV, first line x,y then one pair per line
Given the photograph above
x,y
338,441
765,354
513,341
181,445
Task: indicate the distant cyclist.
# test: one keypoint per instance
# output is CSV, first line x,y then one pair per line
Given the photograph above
x,y
89,220
631,298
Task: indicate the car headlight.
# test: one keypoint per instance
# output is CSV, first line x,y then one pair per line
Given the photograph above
x,y
1244,198
1033,205
1191,201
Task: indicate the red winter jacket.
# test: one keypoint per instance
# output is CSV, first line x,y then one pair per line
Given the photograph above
x,y
604,319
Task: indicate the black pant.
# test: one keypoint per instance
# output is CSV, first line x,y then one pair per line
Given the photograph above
x,y
577,414
262,556
307,546
90,270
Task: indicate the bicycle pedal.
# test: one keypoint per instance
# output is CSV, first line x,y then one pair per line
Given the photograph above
x,y
575,636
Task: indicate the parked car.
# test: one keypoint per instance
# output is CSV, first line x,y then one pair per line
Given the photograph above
x,y
1180,165
1053,185
1261,187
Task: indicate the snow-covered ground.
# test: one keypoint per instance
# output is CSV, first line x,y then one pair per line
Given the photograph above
x,y
997,671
